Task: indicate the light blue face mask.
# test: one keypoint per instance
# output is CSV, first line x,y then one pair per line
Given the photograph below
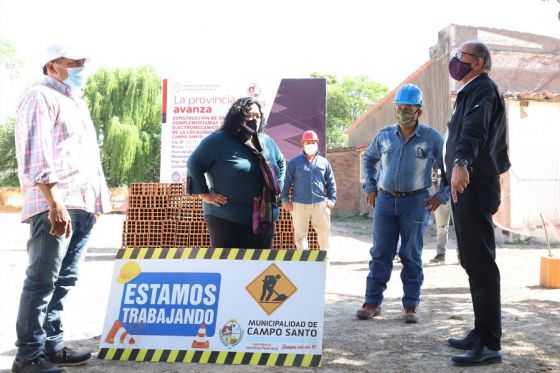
x,y
76,77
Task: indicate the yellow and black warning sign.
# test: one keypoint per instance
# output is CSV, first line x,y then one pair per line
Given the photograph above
x,y
231,306
271,288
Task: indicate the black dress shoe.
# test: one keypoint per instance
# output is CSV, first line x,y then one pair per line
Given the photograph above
x,y
466,343
67,357
39,365
479,355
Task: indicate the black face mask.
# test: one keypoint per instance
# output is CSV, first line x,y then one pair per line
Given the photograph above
x,y
250,126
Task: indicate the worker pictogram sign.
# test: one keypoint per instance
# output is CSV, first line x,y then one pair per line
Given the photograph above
x,y
271,289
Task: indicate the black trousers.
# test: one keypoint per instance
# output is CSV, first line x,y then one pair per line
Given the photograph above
x,y
472,217
226,233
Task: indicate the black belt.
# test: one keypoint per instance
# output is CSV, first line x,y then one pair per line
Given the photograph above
x,y
401,194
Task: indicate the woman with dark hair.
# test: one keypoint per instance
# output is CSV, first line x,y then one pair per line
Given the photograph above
x,y
238,171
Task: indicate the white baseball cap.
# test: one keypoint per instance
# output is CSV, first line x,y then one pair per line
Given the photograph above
x,y
60,50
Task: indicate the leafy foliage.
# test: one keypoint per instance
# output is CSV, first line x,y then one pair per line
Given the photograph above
x,y
119,150
125,106
347,99
8,59
8,162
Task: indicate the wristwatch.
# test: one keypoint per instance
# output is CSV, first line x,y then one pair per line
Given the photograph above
x,y
460,162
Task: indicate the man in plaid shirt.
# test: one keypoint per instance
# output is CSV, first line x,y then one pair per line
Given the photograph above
x,y
64,187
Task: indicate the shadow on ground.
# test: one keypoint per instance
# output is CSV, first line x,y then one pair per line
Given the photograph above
x,y
385,343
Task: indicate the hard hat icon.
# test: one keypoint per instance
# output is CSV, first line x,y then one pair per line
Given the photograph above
x,y
128,272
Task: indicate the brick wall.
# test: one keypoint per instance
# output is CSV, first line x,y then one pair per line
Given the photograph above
x,y
160,215
346,167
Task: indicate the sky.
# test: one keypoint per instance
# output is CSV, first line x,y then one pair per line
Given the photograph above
x,y
385,40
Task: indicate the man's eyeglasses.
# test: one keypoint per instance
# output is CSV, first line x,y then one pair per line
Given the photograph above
x,y
459,55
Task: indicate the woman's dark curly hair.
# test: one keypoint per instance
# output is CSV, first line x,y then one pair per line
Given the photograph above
x,y
236,115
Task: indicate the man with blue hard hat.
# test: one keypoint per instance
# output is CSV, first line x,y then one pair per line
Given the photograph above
x,y
405,153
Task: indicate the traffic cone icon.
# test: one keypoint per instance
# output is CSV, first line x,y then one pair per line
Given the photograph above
x,y
201,341
119,333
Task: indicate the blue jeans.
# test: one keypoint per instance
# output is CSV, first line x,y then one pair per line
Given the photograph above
x,y
395,217
51,272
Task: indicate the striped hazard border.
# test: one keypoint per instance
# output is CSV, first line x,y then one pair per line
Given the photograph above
x,y
222,253
215,357
210,357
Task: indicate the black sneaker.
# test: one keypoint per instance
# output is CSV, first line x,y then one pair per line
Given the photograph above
x,y
39,365
67,357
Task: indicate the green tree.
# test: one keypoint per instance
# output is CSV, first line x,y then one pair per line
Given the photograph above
x,y
10,64
125,106
8,168
8,60
347,99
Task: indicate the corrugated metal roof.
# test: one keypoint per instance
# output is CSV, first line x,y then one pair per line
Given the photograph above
x,y
524,66
533,96
525,72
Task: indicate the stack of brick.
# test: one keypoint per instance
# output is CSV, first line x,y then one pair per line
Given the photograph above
x,y
161,215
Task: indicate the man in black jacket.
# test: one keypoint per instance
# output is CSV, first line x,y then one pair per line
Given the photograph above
x,y
475,156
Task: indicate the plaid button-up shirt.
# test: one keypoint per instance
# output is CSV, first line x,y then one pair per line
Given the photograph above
x,y
56,143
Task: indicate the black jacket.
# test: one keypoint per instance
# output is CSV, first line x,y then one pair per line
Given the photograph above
x,y
477,130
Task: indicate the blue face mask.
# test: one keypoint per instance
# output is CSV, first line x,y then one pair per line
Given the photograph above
x,y
76,77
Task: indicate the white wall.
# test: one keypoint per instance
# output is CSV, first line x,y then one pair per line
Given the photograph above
x,y
534,148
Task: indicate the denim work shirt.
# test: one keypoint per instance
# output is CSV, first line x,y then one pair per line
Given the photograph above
x,y
312,181
405,166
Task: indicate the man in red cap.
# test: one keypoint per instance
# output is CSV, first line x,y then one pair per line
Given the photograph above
x,y
311,179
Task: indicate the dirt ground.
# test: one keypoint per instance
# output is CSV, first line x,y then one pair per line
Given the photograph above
x,y
531,315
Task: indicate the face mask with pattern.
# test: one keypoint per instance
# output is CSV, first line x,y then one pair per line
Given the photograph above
x,y
405,118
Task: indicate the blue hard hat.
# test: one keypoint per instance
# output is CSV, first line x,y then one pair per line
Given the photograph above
x,y
408,94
